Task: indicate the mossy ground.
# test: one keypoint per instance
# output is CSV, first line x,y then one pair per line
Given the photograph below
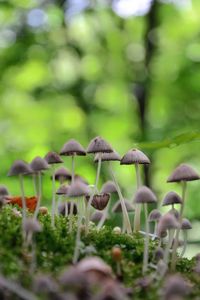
x,y
55,247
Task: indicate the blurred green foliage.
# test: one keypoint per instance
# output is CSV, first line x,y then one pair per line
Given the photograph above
x,y
74,77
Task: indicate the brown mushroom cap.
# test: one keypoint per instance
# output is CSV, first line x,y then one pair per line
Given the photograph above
x,y
99,201
145,195
53,158
62,190
72,147
186,225
171,198
109,187
167,222
154,215
99,145
62,172
183,173
111,156
78,189
20,167
134,156
118,208
38,164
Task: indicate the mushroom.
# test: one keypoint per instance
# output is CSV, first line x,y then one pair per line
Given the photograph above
x,y
145,196
96,216
61,192
38,165
182,174
117,257
64,208
155,216
172,198
52,158
109,187
175,287
21,168
3,193
62,174
167,223
136,157
99,201
186,225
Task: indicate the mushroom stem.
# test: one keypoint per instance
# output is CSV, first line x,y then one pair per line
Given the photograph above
x,y
168,245
78,236
73,168
103,218
137,206
146,244
185,243
35,185
126,221
23,198
53,197
98,173
39,196
66,209
174,255
71,215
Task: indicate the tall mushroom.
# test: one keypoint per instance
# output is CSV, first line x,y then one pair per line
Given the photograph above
x,y
62,192
21,168
38,165
171,198
182,174
52,158
145,196
136,157
62,174
185,226
155,216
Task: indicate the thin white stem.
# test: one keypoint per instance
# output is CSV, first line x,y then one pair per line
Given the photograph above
x,y
168,245
73,168
23,198
35,185
71,215
53,197
104,216
78,235
39,196
137,206
146,244
126,220
185,243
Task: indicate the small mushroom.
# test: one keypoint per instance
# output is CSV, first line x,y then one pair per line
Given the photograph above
x,y
136,157
31,226
186,225
155,216
96,216
175,287
62,174
109,187
3,193
99,201
62,193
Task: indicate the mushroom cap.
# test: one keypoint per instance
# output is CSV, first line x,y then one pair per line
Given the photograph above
x,y
96,216
109,187
80,178
99,201
53,158
186,225
171,198
99,145
78,188
31,225
20,167
154,215
94,264
134,156
62,190
183,173
118,208
72,147
38,164
62,207
159,253
175,285
174,212
167,222
111,156
145,195
3,190
62,172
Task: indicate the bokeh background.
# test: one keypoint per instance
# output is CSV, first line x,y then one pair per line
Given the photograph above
x,y
128,70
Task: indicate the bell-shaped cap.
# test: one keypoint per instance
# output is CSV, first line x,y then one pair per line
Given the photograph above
x,y
38,164
158,254
78,189
154,215
53,158
99,201
118,208
72,147
96,216
3,191
175,213
20,167
111,156
62,190
62,173
31,225
81,178
99,145
109,187
167,222
134,156
183,173
186,225
145,195
175,287
171,198
95,263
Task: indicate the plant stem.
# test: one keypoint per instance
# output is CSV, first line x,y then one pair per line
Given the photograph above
x,y
23,198
168,245
78,235
126,220
137,206
35,185
185,243
39,196
53,197
146,244
73,168
174,255
71,215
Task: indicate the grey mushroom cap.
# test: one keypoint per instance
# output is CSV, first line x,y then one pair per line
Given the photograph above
x,y
53,158
109,187
62,172
171,198
96,216
167,222
154,215
118,208
39,164
174,212
20,167
134,156
78,189
72,147
62,190
175,285
31,225
159,253
111,156
186,225
145,195
3,191
94,264
99,145
183,173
